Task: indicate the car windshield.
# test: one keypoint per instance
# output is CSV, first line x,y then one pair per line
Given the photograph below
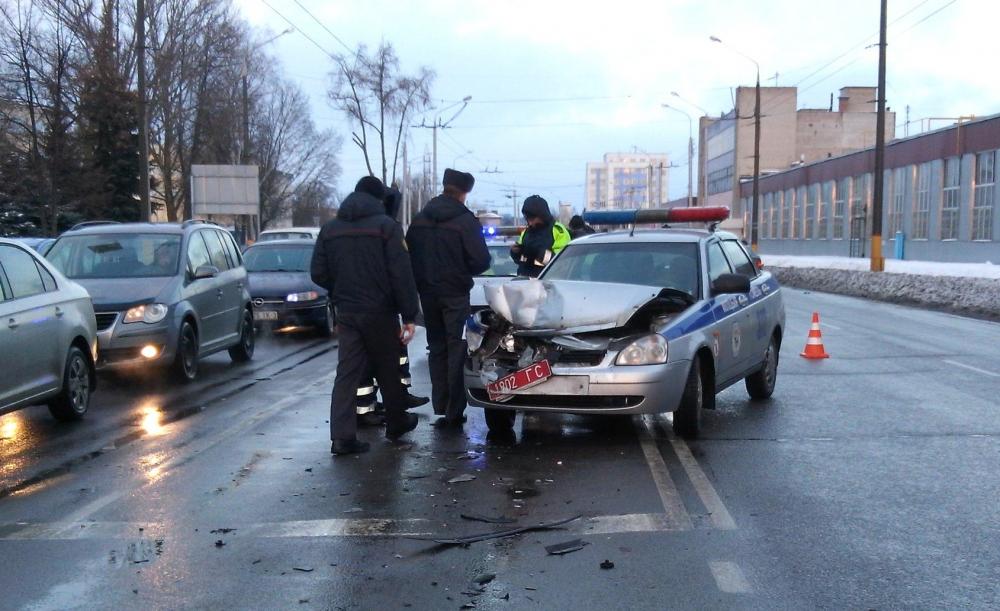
x,y
500,262
118,255
285,235
278,258
659,264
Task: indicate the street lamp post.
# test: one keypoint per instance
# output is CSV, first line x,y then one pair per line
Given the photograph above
x,y
754,208
702,174
690,149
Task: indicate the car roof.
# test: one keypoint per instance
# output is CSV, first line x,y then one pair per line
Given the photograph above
x,y
287,242
653,235
131,228
288,229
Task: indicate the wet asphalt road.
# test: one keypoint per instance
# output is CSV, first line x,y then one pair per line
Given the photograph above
x,y
869,481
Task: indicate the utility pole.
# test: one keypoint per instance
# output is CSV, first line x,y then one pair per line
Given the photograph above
x,y
140,54
878,191
690,200
434,130
439,124
754,207
407,196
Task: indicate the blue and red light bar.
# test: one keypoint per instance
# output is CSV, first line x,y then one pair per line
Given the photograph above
x,y
505,231
714,214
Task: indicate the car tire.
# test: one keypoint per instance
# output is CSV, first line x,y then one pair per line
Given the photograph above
x,y
185,365
760,385
329,326
500,421
687,418
243,351
77,386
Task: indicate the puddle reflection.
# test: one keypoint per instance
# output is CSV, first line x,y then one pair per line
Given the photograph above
x,y
10,426
152,420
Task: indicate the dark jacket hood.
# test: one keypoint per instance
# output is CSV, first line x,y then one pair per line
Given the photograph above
x,y
443,208
538,208
357,206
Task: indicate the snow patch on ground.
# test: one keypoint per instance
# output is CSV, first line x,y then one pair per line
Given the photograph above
x,y
893,266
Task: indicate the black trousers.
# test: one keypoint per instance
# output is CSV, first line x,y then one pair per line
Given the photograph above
x,y
444,318
366,339
368,390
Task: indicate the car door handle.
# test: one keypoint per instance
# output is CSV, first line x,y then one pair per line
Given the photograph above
x,y
12,324
59,312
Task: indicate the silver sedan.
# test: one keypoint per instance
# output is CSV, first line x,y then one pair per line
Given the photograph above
x,y
48,338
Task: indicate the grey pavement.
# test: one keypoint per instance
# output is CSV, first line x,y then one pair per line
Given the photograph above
x,y
869,481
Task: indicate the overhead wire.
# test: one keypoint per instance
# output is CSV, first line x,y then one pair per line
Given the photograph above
x,y
323,25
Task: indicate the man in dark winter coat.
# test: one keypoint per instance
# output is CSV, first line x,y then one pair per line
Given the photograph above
x,y
370,411
361,259
543,239
448,248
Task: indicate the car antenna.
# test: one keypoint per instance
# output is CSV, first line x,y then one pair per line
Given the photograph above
x,y
631,232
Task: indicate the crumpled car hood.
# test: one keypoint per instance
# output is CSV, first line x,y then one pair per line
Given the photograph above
x,y
565,306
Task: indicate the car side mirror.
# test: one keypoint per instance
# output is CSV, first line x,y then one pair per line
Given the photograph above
x,y
728,284
207,271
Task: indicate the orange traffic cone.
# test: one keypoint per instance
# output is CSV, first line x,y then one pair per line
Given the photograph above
x,y
814,345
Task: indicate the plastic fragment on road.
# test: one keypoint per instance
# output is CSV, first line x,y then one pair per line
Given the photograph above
x,y
465,477
475,517
500,534
607,565
565,547
485,578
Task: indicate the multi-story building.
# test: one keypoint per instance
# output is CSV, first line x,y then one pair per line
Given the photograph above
x,y
939,201
627,180
789,136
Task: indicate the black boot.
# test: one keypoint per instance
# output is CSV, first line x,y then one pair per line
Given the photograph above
x,y
348,446
409,423
413,400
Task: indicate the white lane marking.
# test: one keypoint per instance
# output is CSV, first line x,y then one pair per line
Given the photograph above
x,y
322,528
671,499
721,518
729,578
826,325
992,374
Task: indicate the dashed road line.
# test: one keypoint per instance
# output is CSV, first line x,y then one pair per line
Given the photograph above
x,y
671,499
992,374
729,577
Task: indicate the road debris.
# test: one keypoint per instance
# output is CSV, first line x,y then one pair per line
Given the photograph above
x,y
495,535
303,569
475,517
220,543
222,531
465,477
607,565
485,578
566,547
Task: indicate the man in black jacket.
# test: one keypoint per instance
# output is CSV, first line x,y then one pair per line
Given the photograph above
x,y
361,259
544,238
448,248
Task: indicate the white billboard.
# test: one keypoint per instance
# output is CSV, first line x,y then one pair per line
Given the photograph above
x,y
225,189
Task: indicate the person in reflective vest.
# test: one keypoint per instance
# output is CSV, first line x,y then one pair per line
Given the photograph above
x,y
543,239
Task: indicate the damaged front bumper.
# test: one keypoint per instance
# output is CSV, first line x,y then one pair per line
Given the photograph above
x,y
604,389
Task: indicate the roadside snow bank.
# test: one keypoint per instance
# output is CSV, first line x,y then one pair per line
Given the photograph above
x,y
963,295
894,266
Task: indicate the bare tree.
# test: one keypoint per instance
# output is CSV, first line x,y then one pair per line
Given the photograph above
x,y
378,98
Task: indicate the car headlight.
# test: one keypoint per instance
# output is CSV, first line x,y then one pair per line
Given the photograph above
x,y
307,296
149,313
649,350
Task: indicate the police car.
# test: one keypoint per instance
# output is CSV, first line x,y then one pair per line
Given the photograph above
x,y
629,322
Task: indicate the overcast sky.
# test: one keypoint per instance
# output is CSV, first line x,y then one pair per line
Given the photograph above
x,y
556,83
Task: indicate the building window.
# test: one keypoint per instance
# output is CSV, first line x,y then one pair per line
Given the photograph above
x,y
823,211
809,218
775,214
922,209
839,207
982,205
859,206
898,199
951,198
800,207
786,215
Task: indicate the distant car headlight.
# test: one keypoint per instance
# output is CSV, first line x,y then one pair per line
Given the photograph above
x,y
649,350
149,313
307,296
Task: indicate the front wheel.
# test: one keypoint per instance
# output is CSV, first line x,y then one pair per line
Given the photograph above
x,y
687,418
74,398
243,351
760,385
185,365
329,325
500,421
